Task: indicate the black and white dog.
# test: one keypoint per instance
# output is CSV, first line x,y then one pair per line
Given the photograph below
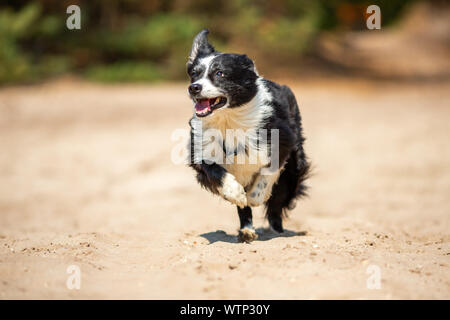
x,y
229,96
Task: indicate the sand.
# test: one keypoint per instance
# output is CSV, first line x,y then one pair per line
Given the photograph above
x,y
86,180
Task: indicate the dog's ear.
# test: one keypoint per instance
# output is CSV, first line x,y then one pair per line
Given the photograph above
x,y
200,46
247,63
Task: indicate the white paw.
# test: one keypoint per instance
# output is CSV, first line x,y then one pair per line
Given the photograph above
x,y
233,191
247,235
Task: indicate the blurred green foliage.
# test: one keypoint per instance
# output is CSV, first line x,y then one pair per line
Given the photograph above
x,y
16,29
149,40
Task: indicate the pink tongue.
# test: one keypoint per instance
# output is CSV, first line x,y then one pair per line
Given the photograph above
x,y
202,105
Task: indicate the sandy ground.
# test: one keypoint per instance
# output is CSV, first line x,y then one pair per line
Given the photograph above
x,y
86,179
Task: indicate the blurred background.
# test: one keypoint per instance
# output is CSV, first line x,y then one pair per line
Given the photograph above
x,y
86,133
145,41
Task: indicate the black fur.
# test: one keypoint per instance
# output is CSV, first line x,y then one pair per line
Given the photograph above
x,y
245,217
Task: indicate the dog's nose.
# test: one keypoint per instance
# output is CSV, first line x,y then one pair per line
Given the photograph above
x,y
195,88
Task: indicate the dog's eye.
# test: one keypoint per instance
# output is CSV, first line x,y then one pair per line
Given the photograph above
x,y
219,74
194,74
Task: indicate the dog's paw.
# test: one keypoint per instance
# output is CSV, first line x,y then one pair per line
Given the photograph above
x,y
247,235
233,191
258,193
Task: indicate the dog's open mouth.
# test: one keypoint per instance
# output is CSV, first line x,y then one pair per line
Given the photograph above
x,y
204,107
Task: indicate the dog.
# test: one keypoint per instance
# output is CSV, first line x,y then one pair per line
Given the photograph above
x,y
230,96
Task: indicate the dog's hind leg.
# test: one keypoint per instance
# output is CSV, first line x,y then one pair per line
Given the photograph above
x,y
274,215
288,188
277,202
246,232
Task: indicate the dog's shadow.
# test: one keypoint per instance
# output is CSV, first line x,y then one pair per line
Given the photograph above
x,y
264,234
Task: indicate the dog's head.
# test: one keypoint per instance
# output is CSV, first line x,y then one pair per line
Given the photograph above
x,y
219,80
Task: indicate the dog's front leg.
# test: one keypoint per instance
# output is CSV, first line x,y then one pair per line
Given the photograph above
x,y
220,181
233,191
261,189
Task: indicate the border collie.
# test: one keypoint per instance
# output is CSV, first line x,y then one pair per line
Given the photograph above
x,y
230,97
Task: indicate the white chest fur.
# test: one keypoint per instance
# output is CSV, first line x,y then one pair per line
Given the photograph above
x,y
229,137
